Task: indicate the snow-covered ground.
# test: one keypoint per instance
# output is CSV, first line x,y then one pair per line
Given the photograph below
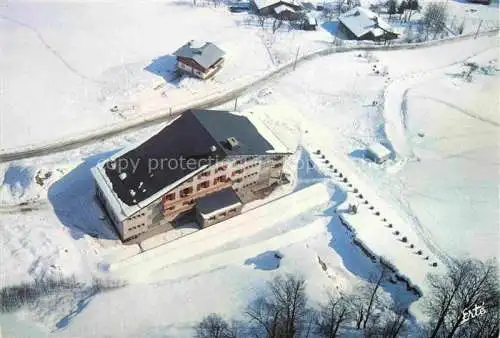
x,y
64,65
67,65
346,106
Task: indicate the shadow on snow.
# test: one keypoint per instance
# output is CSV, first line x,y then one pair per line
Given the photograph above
x,y
74,202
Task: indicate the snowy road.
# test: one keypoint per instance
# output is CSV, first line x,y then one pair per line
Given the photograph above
x,y
79,140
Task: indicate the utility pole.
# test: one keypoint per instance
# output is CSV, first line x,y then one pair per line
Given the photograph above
x,y
478,28
235,104
296,57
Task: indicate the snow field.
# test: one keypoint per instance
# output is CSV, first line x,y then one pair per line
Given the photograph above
x,y
138,268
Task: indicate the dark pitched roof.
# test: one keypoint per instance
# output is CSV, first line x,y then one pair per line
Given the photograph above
x,y
204,53
217,200
162,160
179,149
222,125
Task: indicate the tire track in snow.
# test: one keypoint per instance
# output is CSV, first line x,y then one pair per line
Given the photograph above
x,y
51,49
395,104
396,127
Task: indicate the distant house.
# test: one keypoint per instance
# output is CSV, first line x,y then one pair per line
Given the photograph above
x,y
378,153
285,12
309,23
362,24
268,7
201,59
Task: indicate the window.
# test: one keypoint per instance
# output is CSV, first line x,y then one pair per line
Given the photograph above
x,y
237,172
170,208
203,185
221,168
212,218
170,197
238,180
204,174
186,191
220,179
277,165
232,210
188,202
238,162
222,214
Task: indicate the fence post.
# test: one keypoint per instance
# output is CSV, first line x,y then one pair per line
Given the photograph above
x,y
478,28
235,104
296,57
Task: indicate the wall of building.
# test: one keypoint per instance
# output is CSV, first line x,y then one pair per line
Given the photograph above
x,y
244,173
219,216
194,68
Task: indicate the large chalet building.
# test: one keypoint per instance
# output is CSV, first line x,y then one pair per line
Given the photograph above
x,y
205,162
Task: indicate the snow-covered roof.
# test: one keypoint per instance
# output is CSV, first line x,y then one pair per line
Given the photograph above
x,y
217,202
266,3
194,134
204,53
311,19
283,8
379,150
361,21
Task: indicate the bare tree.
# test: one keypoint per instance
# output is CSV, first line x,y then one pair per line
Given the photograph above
x,y
358,309
214,326
467,284
387,324
373,291
331,315
434,18
283,313
391,8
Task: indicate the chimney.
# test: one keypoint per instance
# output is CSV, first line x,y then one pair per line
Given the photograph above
x,y
232,143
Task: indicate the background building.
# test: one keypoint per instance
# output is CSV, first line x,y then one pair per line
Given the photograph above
x,y
199,58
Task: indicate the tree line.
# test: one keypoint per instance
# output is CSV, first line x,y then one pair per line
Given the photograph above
x,y
461,303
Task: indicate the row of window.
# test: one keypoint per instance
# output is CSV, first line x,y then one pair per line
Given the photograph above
x,y
189,190
243,160
237,172
223,214
250,175
249,184
136,227
252,166
207,173
137,216
277,165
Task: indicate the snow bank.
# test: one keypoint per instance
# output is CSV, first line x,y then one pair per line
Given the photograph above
x,y
139,267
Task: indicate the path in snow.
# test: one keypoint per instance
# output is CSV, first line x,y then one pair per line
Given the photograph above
x,y
394,107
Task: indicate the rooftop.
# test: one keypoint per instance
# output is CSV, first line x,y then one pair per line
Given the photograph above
x,y
283,8
204,53
218,200
266,3
135,177
361,21
379,150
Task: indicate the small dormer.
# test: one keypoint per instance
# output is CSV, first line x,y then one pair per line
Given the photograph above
x,y
232,143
